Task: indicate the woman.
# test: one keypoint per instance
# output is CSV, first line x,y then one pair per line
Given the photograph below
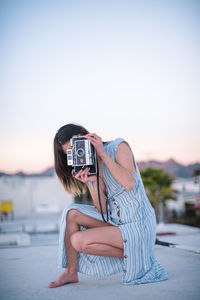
x,y
125,243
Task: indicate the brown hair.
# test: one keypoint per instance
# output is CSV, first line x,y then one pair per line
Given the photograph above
x,y
63,171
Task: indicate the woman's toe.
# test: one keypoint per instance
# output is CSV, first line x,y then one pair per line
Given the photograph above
x,y
52,284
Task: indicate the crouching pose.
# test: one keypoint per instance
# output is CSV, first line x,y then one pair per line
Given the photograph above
x,y
88,244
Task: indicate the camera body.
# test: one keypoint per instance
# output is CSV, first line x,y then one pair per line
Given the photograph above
x,y
82,155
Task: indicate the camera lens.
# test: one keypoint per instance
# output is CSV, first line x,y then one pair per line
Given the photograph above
x,y
80,152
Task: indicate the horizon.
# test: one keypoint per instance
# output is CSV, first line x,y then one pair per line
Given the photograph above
x,y
50,167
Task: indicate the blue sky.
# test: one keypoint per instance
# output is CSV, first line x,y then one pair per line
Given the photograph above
x,y
120,68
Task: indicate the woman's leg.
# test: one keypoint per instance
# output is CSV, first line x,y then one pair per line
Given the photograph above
x,y
74,219
99,241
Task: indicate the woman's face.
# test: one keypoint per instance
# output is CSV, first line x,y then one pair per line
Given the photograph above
x,y
67,145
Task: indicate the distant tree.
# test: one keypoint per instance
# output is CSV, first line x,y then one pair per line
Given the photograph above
x,y
196,175
158,188
196,172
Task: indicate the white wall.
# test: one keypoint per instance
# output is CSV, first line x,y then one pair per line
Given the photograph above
x,y
187,184
29,194
188,191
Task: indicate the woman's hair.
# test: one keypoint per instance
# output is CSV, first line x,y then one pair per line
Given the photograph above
x,y
63,171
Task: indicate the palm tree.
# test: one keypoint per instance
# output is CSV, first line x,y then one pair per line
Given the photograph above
x,y
158,188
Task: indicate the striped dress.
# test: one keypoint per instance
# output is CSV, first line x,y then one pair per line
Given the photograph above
x,y
133,213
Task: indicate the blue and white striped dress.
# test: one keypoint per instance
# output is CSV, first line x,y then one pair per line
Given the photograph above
x,y
133,213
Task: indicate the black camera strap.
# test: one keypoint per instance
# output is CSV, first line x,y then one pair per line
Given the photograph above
x,y
100,196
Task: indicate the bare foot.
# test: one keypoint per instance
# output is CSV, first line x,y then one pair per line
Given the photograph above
x,y
64,278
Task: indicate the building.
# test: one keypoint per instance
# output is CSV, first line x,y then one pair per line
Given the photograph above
x,y
39,194
189,192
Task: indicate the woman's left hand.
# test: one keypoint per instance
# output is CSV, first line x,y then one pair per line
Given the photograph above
x,y
96,141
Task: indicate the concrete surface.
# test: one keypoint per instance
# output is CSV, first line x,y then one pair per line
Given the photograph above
x,y
27,271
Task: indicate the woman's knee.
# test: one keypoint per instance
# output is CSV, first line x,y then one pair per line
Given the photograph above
x,y
72,215
77,242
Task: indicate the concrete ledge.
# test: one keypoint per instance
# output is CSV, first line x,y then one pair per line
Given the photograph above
x,y
179,229
41,227
29,227
20,239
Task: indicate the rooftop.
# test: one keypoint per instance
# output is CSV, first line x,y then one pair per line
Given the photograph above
x,y
27,270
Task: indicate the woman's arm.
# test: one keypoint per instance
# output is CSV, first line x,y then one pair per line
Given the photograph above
x,y
122,167
82,176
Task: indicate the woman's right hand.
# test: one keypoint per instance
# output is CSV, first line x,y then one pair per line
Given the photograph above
x,y
82,176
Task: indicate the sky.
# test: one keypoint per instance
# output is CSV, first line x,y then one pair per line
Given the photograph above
x,y
125,69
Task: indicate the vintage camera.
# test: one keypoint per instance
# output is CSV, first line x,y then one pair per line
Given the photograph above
x,y
82,155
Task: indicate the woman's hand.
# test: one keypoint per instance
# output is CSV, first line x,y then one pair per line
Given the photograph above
x,y
82,176
96,141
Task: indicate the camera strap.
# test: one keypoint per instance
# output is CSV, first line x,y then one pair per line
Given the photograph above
x,y
100,196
